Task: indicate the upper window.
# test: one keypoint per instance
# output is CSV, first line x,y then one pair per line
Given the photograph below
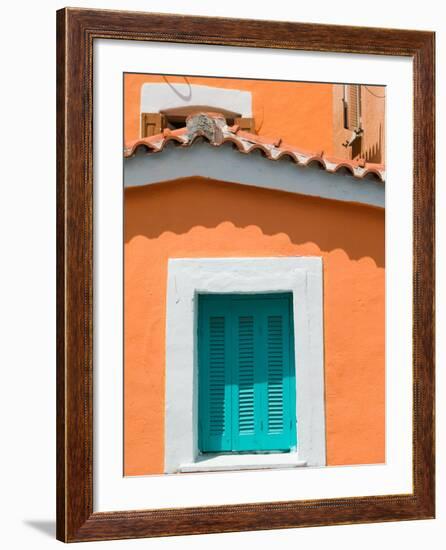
x,y
155,123
247,390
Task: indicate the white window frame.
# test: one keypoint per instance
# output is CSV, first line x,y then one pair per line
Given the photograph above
x,y
187,278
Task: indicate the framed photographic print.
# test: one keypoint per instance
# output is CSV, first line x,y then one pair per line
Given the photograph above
x,y
245,275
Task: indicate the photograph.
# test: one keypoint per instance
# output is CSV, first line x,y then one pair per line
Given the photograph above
x,y
254,274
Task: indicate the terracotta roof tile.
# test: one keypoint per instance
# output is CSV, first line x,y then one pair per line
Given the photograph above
x,y
214,129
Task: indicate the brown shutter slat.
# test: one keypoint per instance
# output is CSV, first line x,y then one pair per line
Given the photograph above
x,y
246,124
152,124
353,106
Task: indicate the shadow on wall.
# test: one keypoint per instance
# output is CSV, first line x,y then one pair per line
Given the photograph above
x,y
374,153
178,206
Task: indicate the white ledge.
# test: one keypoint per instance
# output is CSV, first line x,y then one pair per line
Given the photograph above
x,y
223,462
158,96
224,164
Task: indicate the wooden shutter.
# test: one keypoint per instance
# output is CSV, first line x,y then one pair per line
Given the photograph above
x,y
246,373
246,124
215,378
354,106
246,390
279,390
152,124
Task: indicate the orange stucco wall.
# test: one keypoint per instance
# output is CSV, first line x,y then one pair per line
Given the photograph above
x,y
300,113
197,217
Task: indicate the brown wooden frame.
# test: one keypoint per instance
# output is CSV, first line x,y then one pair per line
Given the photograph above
x,y
76,31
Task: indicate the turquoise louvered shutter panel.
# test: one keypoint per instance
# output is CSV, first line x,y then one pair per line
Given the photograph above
x,y
247,407
279,429
246,373
215,376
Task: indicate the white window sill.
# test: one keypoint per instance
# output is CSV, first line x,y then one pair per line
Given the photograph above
x,y
221,463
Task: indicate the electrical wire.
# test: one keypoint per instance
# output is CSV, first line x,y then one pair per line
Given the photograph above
x,y
375,95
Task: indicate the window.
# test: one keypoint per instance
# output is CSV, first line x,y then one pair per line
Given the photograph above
x,y
247,396
155,123
244,283
352,115
167,104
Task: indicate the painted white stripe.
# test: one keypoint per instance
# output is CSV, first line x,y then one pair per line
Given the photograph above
x,y
225,164
156,97
222,463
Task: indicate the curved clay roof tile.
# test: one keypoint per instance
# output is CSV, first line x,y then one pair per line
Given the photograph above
x,y
213,128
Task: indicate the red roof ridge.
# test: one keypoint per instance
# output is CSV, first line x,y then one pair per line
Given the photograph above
x,y
213,128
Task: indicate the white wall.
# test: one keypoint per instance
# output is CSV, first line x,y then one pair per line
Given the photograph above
x,y
27,214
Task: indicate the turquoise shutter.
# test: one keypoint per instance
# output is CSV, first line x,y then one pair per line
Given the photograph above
x,y
246,388
246,373
279,390
215,377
